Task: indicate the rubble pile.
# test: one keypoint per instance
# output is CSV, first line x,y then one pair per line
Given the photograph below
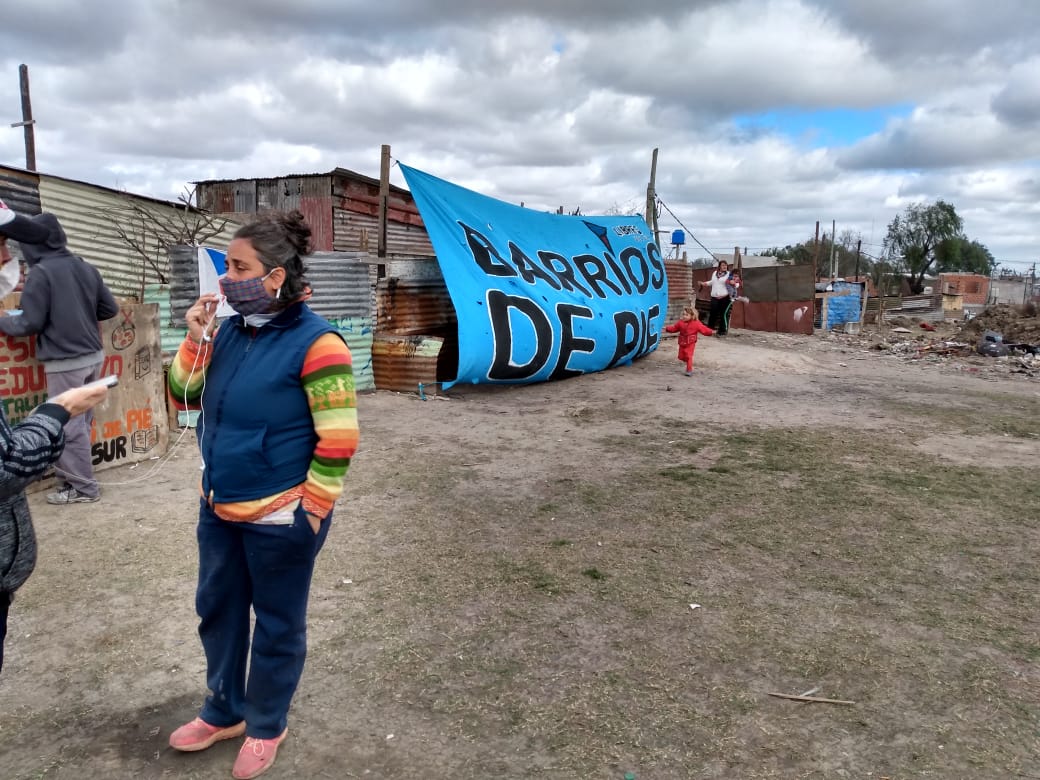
x,y
1017,324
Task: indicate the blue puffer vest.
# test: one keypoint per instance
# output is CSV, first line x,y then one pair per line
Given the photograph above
x,y
255,432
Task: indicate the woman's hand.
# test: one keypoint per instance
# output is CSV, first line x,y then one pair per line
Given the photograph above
x,y
202,317
80,399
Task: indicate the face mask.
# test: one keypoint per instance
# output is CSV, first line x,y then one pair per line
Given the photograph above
x,y
247,296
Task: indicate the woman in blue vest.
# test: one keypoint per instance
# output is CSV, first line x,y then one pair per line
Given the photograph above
x,y
276,432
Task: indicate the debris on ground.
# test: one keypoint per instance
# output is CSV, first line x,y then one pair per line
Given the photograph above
x,y
1001,340
1017,324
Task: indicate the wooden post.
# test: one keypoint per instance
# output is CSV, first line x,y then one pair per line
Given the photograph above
x,y
384,198
834,243
27,119
651,197
816,254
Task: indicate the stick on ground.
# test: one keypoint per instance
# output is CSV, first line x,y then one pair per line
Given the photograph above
x,y
810,698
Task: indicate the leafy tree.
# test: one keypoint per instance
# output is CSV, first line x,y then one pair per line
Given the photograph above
x,y
844,254
914,238
960,254
798,254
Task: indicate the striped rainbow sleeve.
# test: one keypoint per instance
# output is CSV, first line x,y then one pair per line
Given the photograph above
x,y
328,380
188,373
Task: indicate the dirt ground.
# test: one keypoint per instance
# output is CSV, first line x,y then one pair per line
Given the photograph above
x,y
597,578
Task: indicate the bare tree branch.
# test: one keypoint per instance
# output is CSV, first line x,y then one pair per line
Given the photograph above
x,y
149,232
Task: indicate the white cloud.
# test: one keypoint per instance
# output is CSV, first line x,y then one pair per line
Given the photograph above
x,y
555,103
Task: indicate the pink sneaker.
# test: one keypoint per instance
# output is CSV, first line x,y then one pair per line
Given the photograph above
x,y
256,757
199,735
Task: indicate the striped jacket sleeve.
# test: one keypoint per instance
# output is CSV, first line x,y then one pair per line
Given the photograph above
x,y
328,380
188,374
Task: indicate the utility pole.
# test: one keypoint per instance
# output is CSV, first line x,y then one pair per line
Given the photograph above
x,y
651,197
27,119
816,254
834,241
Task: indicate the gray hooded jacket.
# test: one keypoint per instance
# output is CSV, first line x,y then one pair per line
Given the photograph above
x,y
63,299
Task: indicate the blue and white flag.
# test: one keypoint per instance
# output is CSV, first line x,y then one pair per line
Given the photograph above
x,y
541,296
212,265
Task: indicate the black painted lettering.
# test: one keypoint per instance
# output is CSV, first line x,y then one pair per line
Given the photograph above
x,y
624,321
564,272
528,270
657,281
618,272
592,268
642,280
499,307
485,254
569,343
108,450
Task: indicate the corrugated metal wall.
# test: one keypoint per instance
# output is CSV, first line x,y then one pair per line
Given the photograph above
x,y
342,294
311,194
20,190
171,330
781,299
417,337
90,214
184,279
356,218
360,232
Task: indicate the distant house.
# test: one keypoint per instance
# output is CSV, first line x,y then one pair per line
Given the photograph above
x,y
1009,290
973,288
746,261
341,207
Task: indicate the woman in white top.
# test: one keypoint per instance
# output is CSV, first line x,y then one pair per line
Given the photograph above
x,y
720,299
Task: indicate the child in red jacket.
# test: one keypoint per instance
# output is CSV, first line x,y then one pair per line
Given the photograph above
x,y
689,327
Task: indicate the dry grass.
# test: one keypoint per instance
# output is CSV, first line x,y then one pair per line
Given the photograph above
x,y
559,620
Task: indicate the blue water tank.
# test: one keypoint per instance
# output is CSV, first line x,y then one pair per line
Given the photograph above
x,y
678,238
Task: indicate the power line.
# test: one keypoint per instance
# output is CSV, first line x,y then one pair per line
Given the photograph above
x,y
688,231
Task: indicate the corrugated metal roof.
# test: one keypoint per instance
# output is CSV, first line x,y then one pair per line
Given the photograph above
x,y
20,190
93,217
343,173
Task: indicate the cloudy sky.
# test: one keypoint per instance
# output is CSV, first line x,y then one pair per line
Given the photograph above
x,y
769,114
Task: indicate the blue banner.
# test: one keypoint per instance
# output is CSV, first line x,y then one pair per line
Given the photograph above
x,y
541,296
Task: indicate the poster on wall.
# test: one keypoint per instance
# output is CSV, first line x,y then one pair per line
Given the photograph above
x,y
131,425
541,296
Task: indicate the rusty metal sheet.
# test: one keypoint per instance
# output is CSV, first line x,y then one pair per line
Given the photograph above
x,y
414,307
795,317
760,315
402,363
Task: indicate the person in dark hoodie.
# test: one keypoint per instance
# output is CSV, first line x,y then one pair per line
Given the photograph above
x,y
63,300
27,449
